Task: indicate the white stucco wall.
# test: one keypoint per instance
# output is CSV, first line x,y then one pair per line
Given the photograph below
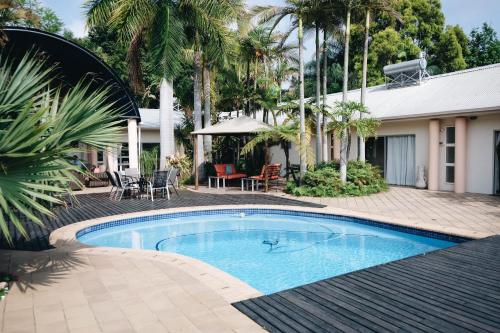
x,y
419,128
480,148
480,153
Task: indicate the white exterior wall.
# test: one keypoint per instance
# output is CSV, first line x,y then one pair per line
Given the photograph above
x,y
480,147
480,153
419,128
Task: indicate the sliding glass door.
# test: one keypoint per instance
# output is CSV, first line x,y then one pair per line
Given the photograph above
x,y
496,189
400,160
395,155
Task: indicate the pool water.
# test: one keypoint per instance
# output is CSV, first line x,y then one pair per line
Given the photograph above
x,y
270,252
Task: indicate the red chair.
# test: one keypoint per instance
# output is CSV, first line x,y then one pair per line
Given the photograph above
x,y
272,173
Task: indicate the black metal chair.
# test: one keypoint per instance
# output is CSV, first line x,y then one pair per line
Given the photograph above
x,y
124,185
159,182
112,180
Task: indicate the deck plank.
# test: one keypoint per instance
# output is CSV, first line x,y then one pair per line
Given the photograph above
x,y
451,290
91,206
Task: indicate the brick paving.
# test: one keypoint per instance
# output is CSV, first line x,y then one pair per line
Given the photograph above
x,y
476,214
92,290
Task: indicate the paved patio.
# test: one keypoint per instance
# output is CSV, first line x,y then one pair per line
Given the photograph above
x,y
102,290
475,215
89,290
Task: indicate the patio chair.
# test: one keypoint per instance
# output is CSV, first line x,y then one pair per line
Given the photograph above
x,y
112,180
172,180
272,173
124,185
160,182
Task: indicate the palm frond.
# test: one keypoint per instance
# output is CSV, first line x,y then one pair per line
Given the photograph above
x,y
44,128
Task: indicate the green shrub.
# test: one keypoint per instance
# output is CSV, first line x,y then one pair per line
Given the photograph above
x,y
362,179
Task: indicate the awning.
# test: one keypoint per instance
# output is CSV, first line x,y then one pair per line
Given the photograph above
x,y
240,125
72,63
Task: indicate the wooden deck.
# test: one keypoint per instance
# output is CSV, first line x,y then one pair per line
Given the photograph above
x,y
99,205
450,290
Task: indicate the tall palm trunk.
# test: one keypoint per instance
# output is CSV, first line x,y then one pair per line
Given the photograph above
x,y
134,62
247,107
197,107
255,73
344,134
318,97
362,154
207,139
303,157
325,92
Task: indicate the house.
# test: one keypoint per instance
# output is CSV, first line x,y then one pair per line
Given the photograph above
x,y
448,125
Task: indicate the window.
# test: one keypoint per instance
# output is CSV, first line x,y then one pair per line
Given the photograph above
x,y
450,155
123,162
100,157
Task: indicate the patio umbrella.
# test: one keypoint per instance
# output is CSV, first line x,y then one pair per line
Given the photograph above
x,y
233,127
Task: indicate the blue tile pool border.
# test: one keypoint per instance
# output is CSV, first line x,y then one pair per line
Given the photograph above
x,y
383,225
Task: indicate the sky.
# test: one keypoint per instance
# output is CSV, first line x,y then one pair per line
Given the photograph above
x,y
468,14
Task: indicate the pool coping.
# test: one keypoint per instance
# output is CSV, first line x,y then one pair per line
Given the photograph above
x,y
229,287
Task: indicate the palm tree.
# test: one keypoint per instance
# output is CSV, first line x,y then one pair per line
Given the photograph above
x,y
206,27
343,135
278,134
155,23
347,112
41,126
370,6
297,9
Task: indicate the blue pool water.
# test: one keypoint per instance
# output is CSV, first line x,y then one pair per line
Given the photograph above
x,y
269,251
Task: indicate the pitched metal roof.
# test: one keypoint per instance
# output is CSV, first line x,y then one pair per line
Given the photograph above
x,y
471,90
150,118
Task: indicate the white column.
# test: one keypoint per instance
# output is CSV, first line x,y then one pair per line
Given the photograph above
x,y
111,162
139,144
460,154
132,144
433,169
92,156
167,143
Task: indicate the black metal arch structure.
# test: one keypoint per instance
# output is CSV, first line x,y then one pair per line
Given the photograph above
x,y
73,63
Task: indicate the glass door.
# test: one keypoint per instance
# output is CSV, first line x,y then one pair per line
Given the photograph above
x,y
496,189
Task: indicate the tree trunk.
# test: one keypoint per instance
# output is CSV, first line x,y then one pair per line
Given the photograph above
x,y
325,92
197,107
303,157
344,139
247,111
134,63
255,73
318,98
207,139
361,155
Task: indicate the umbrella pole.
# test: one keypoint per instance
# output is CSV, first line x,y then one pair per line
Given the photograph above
x,y
195,151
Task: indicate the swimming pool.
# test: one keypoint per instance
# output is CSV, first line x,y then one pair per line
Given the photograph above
x,y
271,250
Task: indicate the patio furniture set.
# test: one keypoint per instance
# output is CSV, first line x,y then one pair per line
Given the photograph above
x,y
228,172
140,186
